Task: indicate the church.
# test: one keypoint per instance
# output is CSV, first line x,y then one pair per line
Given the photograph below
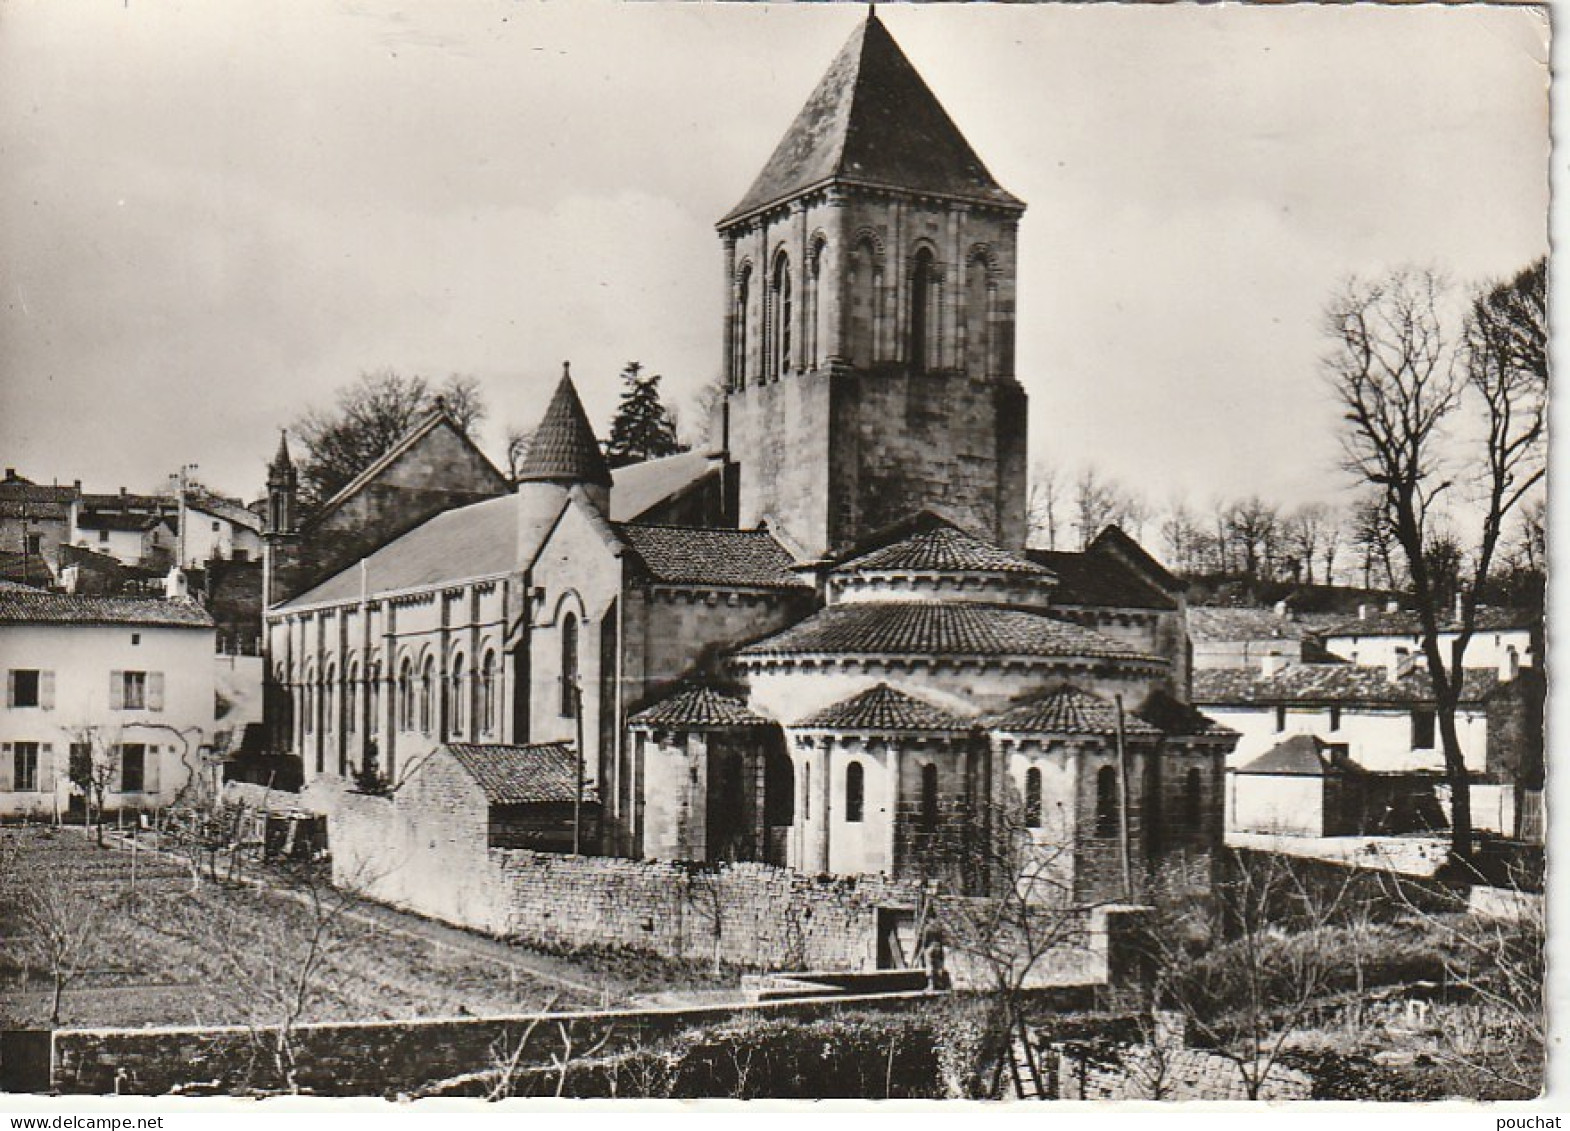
x,y
824,645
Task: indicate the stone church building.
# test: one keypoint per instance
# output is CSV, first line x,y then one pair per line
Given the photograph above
x,y
825,645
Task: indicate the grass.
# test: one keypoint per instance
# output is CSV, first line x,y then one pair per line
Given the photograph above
x,y
168,954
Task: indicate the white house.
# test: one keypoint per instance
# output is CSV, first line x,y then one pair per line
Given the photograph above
x,y
126,681
219,528
1376,638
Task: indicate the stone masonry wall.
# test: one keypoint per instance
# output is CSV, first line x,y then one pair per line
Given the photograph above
x,y
1143,1072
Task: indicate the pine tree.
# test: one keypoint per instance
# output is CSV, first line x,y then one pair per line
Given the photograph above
x,y
643,427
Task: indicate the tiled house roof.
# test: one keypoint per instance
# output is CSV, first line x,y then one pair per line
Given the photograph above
x,y
1301,756
28,606
699,708
20,499
564,449
1175,718
1401,623
873,121
1207,623
942,547
931,629
1097,579
518,775
690,555
118,520
883,709
1070,711
1330,684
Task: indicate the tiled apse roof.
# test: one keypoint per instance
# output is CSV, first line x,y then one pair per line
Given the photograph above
x,y
1069,711
27,606
699,707
688,555
516,775
928,628
884,708
873,120
941,548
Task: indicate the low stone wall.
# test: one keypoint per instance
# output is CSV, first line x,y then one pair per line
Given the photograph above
x,y
388,1058
1146,1072
749,915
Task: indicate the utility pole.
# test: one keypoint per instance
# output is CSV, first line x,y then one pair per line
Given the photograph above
x,y
577,793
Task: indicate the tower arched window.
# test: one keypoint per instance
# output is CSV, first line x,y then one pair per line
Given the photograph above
x,y
813,346
1106,802
1033,798
861,289
739,329
855,792
427,694
487,720
929,797
569,666
980,303
923,288
458,704
784,313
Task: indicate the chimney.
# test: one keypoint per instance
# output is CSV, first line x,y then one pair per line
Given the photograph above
x,y
1272,664
1392,606
76,485
10,475
1402,664
69,577
1281,609
1363,611
176,588
1509,665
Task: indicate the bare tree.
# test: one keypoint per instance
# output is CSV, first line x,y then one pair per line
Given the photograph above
x,y
58,917
1304,533
1373,537
370,416
1099,502
91,768
1181,536
519,440
1405,384
1253,529
1045,504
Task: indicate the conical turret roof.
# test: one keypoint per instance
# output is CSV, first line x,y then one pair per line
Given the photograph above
x,y
564,449
873,120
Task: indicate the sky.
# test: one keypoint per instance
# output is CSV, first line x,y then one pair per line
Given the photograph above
x,y
212,215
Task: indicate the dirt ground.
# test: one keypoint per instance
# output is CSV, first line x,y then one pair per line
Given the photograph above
x,y
163,951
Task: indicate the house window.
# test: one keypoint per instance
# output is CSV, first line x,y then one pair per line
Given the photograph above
x,y
25,768
133,768
23,689
855,792
103,535
133,692
569,667
1106,802
1335,718
35,545
929,797
488,694
1422,729
1281,719
1033,798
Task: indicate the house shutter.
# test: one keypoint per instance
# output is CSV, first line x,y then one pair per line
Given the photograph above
x,y
117,691
155,691
7,767
10,688
46,690
116,768
151,759
46,768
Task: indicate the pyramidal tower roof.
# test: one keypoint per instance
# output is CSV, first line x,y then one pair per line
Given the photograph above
x,y
873,121
564,449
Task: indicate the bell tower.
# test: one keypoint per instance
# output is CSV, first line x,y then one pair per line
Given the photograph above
x,y
869,335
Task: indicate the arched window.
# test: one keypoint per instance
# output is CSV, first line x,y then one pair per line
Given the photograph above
x,y
373,697
310,701
1193,799
813,343
980,299
855,792
329,700
929,797
1106,801
779,788
739,329
427,693
784,311
806,791
569,666
406,695
351,699
923,286
487,718
1033,798
458,706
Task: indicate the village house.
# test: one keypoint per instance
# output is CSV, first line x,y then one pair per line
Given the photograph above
x,y
128,682
1380,637
1253,637
823,647
35,521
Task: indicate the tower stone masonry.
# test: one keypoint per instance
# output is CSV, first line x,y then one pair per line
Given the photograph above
x,y
869,338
